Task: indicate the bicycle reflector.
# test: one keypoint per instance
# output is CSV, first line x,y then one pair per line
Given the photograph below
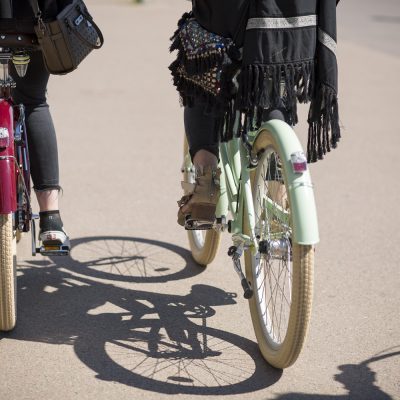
x,y
299,162
21,61
4,137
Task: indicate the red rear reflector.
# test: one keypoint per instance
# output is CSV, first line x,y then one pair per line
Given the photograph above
x,y
299,162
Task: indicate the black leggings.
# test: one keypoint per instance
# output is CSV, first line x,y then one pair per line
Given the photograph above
x,y
42,141
200,128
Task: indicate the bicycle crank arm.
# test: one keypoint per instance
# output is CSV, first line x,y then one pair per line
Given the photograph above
x,y
195,225
235,253
33,233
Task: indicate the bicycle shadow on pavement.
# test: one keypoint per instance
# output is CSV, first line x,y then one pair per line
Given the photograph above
x,y
358,379
128,259
152,341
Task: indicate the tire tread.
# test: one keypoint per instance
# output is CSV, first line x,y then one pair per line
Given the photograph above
x,y
7,274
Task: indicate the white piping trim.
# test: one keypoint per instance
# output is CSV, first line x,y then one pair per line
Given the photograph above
x,y
327,40
282,23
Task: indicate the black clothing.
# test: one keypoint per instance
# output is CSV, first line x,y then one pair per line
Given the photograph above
x,y
42,142
50,221
221,17
200,128
294,43
5,9
31,91
288,57
16,16
49,8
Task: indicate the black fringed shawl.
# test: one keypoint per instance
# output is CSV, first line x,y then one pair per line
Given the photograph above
x,y
288,57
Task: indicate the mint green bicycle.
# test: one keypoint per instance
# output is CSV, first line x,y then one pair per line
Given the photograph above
x,y
267,205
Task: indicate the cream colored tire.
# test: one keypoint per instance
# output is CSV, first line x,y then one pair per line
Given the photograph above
x,y
8,287
204,247
283,284
203,244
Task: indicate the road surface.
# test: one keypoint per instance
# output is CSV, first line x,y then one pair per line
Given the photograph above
x,y
120,138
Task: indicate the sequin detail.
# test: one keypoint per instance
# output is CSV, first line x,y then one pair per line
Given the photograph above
x,y
199,70
198,42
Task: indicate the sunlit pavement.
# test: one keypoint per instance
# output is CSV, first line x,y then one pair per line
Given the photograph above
x,y
105,323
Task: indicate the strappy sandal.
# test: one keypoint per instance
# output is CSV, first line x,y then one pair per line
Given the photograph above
x,y
202,199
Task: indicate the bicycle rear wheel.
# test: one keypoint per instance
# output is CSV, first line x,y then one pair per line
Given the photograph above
x,y
203,244
8,287
281,273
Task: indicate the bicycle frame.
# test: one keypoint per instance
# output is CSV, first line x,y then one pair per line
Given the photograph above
x,y
267,195
236,194
15,189
8,193
300,187
14,159
236,191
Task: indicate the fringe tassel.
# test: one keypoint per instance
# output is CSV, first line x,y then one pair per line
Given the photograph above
x,y
277,86
175,37
323,120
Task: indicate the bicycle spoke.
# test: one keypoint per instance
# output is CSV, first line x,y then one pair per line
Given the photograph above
x,y
208,361
273,273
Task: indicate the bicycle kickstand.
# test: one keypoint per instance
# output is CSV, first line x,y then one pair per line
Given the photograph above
x,y
236,252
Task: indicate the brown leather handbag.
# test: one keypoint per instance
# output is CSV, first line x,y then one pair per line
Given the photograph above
x,y
68,39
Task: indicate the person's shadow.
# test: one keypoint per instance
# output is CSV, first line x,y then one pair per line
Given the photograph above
x,y
153,341
358,379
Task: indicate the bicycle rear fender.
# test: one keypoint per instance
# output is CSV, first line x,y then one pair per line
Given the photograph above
x,y
301,193
8,199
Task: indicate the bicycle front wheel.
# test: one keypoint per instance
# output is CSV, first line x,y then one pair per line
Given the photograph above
x,y
281,273
203,244
8,287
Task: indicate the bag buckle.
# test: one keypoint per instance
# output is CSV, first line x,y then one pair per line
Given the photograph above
x,y
78,20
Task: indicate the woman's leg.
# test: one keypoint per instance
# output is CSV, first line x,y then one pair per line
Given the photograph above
x,y
203,144
201,136
42,142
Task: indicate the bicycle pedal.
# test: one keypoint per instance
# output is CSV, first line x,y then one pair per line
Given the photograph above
x,y
54,250
195,225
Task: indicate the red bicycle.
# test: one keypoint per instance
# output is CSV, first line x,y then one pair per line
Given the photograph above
x,y
16,214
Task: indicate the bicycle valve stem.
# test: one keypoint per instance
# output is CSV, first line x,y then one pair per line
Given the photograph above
x,y
21,61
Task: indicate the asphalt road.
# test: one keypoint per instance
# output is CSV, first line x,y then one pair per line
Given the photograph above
x,y
120,137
